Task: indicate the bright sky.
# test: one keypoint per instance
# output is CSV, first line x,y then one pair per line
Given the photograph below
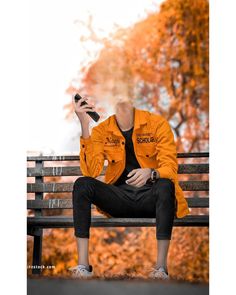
x,y
55,57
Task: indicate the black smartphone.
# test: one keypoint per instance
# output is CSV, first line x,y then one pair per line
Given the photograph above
x,y
93,115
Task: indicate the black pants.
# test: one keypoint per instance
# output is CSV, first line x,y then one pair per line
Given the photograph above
x,y
155,200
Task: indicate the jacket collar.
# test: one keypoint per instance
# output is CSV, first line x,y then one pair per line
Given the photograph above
x,y
140,118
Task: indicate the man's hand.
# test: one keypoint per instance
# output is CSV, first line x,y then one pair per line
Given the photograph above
x,y
80,111
139,177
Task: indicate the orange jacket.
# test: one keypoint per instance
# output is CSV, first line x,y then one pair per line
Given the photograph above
x,y
154,147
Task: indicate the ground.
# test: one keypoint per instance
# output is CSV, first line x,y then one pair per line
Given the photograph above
x,y
61,286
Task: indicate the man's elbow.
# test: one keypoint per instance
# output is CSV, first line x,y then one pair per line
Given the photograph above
x,y
95,170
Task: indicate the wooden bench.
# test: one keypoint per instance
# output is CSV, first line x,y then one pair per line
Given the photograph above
x,y
37,222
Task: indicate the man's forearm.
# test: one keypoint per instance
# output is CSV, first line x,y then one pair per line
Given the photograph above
x,y
85,131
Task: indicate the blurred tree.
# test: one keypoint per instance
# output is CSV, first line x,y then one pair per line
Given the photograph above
x,y
162,64
172,51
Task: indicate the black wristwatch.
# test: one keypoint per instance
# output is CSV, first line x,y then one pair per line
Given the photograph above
x,y
153,175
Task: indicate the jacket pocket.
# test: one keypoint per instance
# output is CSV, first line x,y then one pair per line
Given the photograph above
x,y
147,151
114,156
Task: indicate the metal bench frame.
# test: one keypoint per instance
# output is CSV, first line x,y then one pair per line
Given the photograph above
x,y
36,223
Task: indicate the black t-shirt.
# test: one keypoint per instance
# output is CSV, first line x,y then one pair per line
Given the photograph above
x,y
131,161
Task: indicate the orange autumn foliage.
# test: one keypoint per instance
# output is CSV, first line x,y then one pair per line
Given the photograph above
x,y
162,63
128,252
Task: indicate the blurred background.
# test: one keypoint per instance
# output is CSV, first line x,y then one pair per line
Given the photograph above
x,y
155,52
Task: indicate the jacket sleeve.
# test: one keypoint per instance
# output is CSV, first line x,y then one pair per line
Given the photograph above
x,y
167,154
91,154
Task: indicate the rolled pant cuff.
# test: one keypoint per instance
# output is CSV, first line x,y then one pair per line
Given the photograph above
x,y
163,237
82,235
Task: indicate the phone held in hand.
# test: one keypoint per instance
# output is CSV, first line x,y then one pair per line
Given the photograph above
x,y
94,115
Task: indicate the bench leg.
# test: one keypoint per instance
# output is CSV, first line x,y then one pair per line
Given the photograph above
x,y
37,253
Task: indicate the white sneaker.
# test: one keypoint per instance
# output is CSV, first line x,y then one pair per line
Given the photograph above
x,y
80,271
159,273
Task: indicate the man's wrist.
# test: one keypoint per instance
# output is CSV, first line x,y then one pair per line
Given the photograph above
x,y
153,176
85,131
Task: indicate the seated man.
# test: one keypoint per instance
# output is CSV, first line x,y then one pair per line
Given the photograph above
x,y
140,180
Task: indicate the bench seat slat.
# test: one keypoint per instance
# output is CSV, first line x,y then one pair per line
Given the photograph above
x,y
67,221
75,170
68,187
76,158
67,203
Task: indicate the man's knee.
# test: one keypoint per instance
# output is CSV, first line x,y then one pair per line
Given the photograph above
x,y
165,187
165,184
83,183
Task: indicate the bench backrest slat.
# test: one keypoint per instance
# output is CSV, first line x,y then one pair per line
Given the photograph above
x,y
67,203
75,170
68,187
76,158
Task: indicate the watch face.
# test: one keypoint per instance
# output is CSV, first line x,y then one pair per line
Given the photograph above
x,y
154,174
